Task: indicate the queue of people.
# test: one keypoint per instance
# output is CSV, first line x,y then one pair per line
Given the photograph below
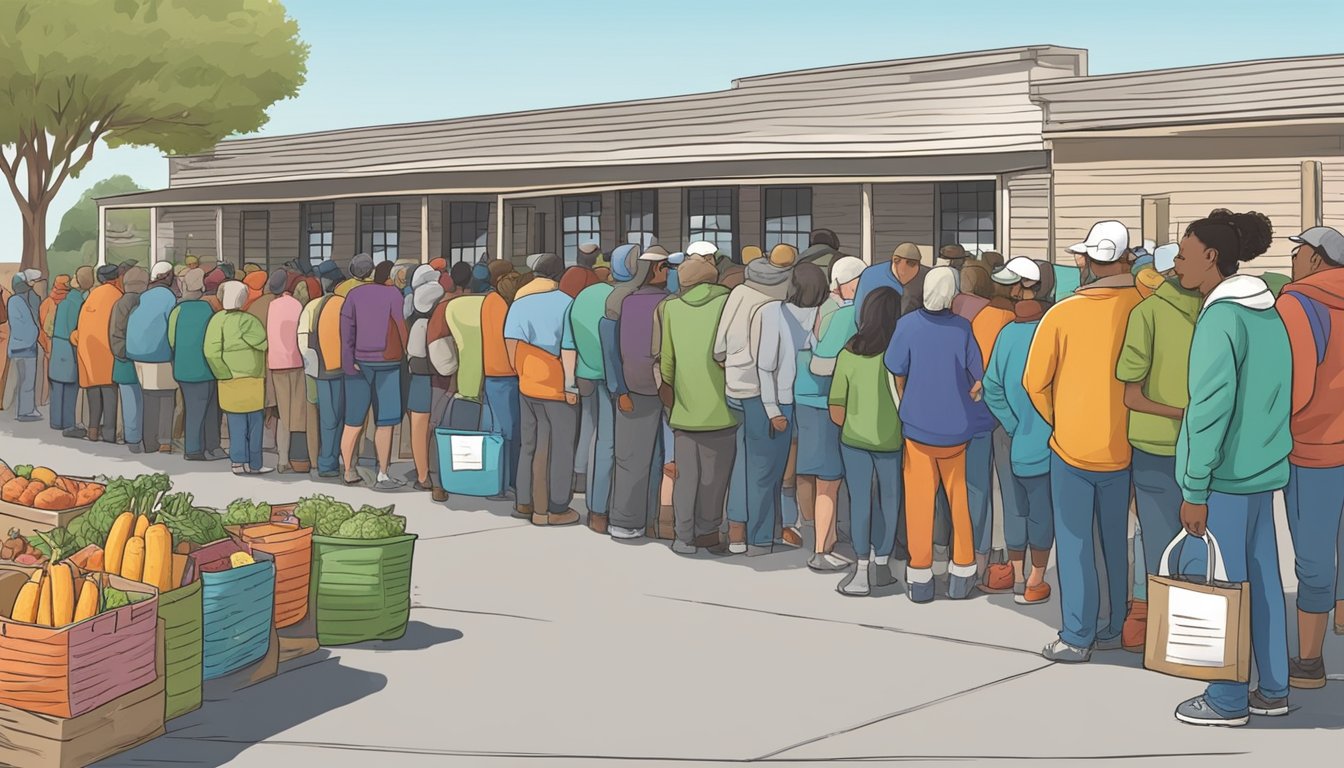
x,y
727,405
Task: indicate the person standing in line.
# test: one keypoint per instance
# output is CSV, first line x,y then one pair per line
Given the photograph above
x,y
573,284
956,256
457,326
628,274
187,324
976,288
134,282
938,373
583,273
373,341
25,333
441,355
58,289
820,465
148,349
425,295
1232,452
1312,308
501,381
752,517
235,349
1028,517
321,364
534,334
597,411
64,368
703,426
862,402
1078,394
284,367
904,274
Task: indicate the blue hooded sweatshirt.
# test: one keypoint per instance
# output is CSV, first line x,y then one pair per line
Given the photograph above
x,y
147,327
1008,400
63,367
23,328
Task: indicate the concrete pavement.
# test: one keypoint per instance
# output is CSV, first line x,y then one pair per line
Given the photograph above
x,y
558,647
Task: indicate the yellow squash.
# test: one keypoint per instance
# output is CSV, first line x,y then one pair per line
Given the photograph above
x,y
116,542
25,605
44,602
87,607
141,525
62,595
159,557
133,564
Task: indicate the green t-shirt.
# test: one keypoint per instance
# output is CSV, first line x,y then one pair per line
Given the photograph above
x,y
863,387
1156,352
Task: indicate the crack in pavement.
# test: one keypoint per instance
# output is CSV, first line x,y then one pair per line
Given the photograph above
x,y
415,607
479,530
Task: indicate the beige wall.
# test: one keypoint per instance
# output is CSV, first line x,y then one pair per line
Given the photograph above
x,y
1028,214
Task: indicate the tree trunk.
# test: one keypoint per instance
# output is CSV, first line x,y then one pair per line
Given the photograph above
x,y
35,235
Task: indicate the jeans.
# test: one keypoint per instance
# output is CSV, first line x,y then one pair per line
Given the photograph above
x,y
103,411
549,428
639,447
63,401
1088,503
587,427
1158,500
1315,502
331,423
501,398
870,532
245,438
1028,518
704,468
25,373
200,418
766,454
1139,588
159,406
601,451
1244,529
132,412
980,490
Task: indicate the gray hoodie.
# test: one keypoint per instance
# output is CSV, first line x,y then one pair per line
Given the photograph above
x,y
740,323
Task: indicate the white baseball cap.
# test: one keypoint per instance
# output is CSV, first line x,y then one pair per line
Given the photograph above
x,y
845,270
702,248
160,270
1017,269
654,253
1106,242
1164,258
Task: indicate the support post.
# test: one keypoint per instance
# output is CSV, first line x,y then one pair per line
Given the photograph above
x,y
153,235
499,226
219,234
867,224
102,235
424,229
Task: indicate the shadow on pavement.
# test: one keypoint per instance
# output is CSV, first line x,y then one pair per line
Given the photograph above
x,y
419,636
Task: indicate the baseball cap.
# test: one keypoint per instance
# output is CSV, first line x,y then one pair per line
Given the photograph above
x,y
654,253
588,248
702,248
908,252
1106,242
1327,240
845,270
1017,269
161,270
32,276
1164,257
675,259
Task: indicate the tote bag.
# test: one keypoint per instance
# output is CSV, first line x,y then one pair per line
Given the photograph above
x,y
1199,628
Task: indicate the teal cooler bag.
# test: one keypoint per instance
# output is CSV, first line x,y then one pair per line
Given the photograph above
x,y
470,461
237,606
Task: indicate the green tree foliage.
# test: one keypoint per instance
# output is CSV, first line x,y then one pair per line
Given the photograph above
x,y
76,242
178,75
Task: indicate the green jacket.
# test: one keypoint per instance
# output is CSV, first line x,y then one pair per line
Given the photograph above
x,y
690,322
186,333
1156,352
235,346
1235,437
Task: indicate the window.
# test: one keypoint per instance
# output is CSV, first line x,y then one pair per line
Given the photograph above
x,y
966,215
710,215
468,231
581,222
788,216
319,224
254,244
639,216
378,228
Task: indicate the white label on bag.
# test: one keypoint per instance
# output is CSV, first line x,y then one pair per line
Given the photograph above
x,y
1196,628
468,452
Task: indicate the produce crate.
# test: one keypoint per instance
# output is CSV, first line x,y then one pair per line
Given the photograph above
x,y
30,740
71,670
263,669
29,520
180,611
361,588
292,548
236,609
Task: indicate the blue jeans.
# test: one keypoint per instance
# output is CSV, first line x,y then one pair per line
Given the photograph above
x,y
63,398
764,455
200,417
1139,589
132,412
1158,500
601,448
1315,502
873,533
980,491
1244,529
1028,518
1086,504
330,423
505,411
245,438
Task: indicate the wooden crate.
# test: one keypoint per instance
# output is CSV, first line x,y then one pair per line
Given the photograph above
x,y
29,520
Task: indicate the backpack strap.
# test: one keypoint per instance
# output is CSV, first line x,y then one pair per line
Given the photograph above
x,y
1318,317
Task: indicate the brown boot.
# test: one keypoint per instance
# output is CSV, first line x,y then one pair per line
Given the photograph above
x,y
597,523
568,517
1135,630
523,511
438,493
667,523
300,466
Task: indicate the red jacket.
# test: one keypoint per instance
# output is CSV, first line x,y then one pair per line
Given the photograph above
x,y
1318,373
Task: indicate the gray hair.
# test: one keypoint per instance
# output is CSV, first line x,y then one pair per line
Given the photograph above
x,y
940,288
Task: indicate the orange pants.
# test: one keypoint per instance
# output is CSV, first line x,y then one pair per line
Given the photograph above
x,y
925,467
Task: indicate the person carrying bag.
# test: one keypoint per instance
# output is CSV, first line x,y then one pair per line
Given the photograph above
x,y
1198,628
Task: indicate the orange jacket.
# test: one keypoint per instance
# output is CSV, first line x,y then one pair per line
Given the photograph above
x,y
92,336
493,311
1318,387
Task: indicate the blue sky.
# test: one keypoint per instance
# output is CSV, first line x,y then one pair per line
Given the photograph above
x,y
404,60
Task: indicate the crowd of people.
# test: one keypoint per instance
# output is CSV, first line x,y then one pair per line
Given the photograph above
x,y
726,404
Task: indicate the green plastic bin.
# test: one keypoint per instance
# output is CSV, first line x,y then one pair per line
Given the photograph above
x,y
361,588
180,610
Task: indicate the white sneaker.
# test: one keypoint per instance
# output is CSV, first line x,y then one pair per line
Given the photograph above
x,y
617,532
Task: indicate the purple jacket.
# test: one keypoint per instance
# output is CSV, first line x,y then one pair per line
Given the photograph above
x,y
373,327
636,340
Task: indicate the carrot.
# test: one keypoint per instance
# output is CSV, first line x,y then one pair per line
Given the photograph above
x,y
69,486
88,494
30,493
54,499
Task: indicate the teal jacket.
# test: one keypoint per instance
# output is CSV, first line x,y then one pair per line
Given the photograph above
x,y
186,335
1008,400
1234,437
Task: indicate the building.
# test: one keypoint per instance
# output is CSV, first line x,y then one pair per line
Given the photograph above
x,y
1016,150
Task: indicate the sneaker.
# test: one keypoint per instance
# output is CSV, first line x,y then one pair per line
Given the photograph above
x,y
325,474
961,587
388,484
216,454
757,550
880,574
133,447
1263,707
75,433
1033,595
1198,711
260,470
999,578
737,548
1066,654
683,548
1108,644
791,537
856,584
828,562
1306,674
625,534
29,417
1135,632
920,591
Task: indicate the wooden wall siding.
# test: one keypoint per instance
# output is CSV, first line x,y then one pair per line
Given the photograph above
x,y
903,213
1332,194
671,220
609,223
1028,215
184,231
231,231
1254,90
839,207
969,103
749,221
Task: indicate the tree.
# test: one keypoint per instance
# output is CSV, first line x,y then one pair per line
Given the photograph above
x,y
79,225
178,75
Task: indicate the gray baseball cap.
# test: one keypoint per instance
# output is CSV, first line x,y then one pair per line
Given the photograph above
x,y
1327,240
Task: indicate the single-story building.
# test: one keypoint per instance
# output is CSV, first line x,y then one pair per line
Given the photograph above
x,y
1016,150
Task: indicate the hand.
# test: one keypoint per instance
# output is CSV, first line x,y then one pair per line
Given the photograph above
x,y
571,398
1195,518
625,404
977,391
779,424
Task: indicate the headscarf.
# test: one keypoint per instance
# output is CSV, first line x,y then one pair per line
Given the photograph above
x,y
255,282
161,274
250,268
423,275
940,288
136,280
630,274
278,281
23,289
232,295
480,277
60,288
696,270
193,284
